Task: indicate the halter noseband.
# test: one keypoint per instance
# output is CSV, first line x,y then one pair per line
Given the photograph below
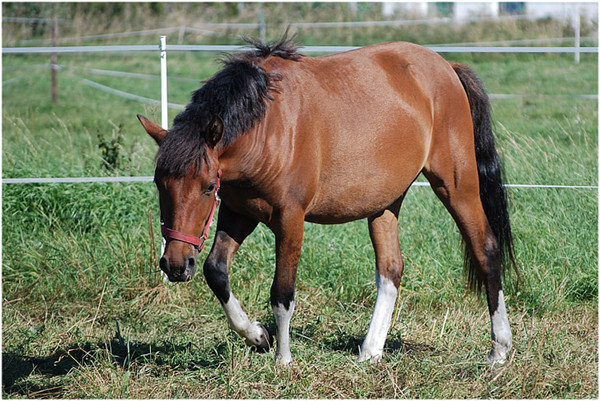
x,y
198,242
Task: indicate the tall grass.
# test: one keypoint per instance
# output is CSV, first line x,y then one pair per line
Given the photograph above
x,y
87,315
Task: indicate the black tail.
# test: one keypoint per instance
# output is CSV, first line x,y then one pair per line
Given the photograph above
x,y
491,189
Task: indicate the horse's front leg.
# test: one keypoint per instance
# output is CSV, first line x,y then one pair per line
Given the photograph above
x,y
289,230
232,229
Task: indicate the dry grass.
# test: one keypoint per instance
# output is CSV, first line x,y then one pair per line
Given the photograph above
x,y
555,354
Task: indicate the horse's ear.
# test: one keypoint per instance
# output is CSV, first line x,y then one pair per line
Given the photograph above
x,y
214,131
154,130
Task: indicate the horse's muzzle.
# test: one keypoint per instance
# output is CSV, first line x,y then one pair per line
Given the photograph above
x,y
183,272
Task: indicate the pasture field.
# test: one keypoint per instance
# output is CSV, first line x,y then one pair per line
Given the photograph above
x,y
86,314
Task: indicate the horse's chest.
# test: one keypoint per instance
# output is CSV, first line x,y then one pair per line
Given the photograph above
x,y
247,201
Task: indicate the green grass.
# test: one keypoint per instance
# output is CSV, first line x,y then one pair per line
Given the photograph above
x,y
86,315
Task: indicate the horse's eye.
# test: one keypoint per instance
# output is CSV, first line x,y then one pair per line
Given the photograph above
x,y
210,188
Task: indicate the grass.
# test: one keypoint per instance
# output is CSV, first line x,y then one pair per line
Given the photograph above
x,y
86,314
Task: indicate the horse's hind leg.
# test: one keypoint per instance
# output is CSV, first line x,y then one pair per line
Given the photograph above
x,y
232,229
383,229
458,189
288,227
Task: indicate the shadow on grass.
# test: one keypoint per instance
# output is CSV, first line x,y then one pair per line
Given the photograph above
x,y
41,377
351,343
17,369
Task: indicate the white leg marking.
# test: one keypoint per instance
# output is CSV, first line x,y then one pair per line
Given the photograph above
x,y
501,334
372,347
239,322
282,319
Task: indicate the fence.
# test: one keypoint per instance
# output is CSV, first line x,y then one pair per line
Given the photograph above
x,y
80,180
307,49
162,48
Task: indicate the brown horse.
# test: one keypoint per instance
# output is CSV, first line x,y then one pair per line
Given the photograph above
x,y
329,140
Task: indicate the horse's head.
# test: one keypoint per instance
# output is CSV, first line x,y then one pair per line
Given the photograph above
x,y
187,177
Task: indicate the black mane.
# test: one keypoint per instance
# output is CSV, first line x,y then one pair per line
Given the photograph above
x,y
238,94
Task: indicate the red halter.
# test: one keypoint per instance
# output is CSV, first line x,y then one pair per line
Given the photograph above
x,y
198,242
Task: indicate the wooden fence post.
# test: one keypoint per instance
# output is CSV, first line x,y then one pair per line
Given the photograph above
x,y
54,62
577,25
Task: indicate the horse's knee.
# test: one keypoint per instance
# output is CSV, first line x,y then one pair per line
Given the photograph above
x,y
282,297
282,291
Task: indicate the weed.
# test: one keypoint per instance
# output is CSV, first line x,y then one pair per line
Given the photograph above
x,y
111,149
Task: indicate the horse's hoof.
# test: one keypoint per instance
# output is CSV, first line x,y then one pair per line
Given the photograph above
x,y
264,342
283,360
498,354
370,358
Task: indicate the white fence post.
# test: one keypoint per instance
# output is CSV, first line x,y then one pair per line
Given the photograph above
x,y
164,119
163,83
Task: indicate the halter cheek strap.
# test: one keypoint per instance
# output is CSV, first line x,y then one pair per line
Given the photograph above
x,y
198,242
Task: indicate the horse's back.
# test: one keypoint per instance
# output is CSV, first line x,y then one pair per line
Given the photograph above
x,y
404,64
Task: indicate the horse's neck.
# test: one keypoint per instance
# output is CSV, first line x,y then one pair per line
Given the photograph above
x,y
245,155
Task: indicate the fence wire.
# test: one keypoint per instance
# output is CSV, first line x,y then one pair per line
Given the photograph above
x,y
233,48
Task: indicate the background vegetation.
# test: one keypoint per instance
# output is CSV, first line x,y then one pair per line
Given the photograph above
x,y
85,311
82,22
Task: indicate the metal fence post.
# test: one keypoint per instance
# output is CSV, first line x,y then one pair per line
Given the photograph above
x,y
164,117
163,83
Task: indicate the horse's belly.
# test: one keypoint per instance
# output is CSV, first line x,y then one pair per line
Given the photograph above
x,y
338,216
343,212
349,201
360,181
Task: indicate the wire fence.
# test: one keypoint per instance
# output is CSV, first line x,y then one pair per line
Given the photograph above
x,y
82,180
204,28
235,48
306,49
175,106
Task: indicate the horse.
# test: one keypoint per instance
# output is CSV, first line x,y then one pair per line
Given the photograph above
x,y
285,138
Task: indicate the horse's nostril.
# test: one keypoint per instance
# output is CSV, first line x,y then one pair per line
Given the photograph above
x,y
191,262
